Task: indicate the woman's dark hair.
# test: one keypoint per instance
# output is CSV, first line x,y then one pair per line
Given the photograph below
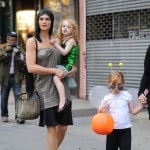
x,y
41,13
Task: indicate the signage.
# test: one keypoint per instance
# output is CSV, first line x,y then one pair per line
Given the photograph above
x,y
139,34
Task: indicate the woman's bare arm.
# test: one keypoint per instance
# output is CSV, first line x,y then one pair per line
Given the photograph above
x,y
31,61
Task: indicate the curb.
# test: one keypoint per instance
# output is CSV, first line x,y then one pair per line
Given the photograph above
x,y
83,112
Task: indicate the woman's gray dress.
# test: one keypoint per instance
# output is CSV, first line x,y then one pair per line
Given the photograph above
x,y
49,57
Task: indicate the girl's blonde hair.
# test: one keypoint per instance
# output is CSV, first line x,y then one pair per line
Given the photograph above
x,y
75,30
115,77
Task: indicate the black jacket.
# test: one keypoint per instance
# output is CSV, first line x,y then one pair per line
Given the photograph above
x,y
145,80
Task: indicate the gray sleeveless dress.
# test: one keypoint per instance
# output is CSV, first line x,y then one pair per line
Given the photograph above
x,y
44,83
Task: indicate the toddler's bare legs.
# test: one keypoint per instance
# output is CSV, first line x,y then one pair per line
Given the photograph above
x,y
61,91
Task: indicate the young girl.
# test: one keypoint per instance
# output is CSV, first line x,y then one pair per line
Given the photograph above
x,y
119,104
68,46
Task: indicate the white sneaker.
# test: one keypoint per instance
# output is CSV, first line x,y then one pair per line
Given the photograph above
x,y
4,119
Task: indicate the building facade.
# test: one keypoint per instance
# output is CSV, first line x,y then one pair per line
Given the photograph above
x,y
110,31
19,15
116,31
5,18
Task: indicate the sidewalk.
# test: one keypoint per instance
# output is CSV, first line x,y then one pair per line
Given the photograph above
x,y
80,107
32,137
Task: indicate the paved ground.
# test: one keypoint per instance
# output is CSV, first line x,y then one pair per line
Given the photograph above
x,y
79,136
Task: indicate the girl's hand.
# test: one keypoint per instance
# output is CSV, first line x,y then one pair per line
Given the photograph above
x,y
143,99
103,108
54,41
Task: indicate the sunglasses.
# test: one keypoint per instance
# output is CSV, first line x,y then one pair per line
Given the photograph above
x,y
119,86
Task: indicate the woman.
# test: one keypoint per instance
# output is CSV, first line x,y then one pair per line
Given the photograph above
x,y
145,80
42,63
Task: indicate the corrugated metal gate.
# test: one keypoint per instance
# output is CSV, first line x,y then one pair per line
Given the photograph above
x,y
100,52
108,6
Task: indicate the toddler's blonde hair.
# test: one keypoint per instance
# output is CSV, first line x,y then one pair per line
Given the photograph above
x,y
115,77
75,31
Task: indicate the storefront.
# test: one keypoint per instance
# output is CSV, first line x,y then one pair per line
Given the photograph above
x,y
19,15
116,31
5,18
110,31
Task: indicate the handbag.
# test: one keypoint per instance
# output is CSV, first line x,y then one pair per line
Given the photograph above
x,y
28,106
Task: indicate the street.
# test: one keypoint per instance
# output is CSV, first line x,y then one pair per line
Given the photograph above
x,y
79,136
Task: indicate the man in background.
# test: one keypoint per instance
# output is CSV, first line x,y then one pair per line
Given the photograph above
x,y
11,73
0,40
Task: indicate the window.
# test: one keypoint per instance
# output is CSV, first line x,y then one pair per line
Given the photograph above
x,y
129,24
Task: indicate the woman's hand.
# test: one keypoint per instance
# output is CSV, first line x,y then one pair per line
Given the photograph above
x,y
60,73
72,72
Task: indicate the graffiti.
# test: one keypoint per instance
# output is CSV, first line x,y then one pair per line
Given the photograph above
x,y
139,34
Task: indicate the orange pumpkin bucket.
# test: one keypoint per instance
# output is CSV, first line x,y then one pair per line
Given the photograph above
x,y
102,123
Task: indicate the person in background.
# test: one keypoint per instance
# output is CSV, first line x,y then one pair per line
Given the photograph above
x,y
145,80
68,35
42,62
0,40
11,73
119,104
29,77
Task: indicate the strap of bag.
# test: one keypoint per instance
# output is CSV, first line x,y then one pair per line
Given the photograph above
x,y
34,75
36,47
31,78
